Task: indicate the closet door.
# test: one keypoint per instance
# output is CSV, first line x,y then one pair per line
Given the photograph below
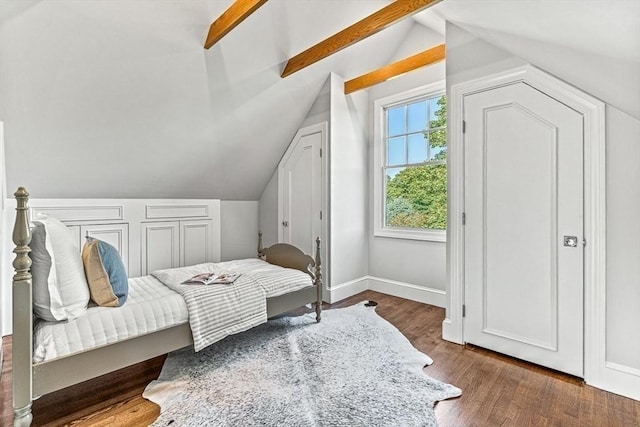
x,y
160,246
524,253
300,181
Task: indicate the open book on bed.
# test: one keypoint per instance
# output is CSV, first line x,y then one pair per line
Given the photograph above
x,y
212,279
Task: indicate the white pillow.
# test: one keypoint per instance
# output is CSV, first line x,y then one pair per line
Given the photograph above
x,y
60,290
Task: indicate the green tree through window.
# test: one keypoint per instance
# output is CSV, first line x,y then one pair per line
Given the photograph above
x,y
415,169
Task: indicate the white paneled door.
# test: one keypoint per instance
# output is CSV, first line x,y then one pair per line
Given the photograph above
x,y
524,250
300,173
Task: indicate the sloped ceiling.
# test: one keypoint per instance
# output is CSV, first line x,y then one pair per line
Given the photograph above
x,y
593,44
118,98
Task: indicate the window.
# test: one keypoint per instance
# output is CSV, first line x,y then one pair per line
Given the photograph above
x,y
411,152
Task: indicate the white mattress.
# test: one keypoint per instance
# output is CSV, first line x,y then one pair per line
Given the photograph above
x,y
151,306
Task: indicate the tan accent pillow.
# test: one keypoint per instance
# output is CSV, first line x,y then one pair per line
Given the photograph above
x,y
97,278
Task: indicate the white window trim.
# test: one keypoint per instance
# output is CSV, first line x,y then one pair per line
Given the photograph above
x,y
379,230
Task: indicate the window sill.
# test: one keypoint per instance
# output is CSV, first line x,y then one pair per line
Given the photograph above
x,y
400,233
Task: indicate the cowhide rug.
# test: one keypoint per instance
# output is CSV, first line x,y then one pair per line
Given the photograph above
x,y
352,369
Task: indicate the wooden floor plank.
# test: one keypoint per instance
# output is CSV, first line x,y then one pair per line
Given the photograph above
x,y
496,390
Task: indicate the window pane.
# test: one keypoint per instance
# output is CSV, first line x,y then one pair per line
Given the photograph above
x,y
396,151
438,153
417,116
415,193
416,197
417,144
395,121
392,172
438,140
437,112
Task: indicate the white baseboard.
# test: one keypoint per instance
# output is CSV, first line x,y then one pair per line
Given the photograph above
x,y
347,289
409,291
619,379
446,329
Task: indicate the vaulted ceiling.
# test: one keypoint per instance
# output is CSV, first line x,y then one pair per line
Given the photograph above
x,y
118,98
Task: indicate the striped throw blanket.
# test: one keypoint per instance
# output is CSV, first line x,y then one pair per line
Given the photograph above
x,y
217,311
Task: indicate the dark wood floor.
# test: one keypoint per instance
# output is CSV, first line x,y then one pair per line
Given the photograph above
x,y
496,390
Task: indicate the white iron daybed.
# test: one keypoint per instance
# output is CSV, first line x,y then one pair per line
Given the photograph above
x,y
31,380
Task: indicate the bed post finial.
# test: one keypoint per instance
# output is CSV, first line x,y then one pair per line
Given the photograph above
x,y
22,236
318,281
259,243
22,346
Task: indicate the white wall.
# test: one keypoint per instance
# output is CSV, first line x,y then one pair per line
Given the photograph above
x,y
238,229
469,57
347,182
6,268
348,169
623,239
414,262
585,69
321,107
268,207
2,233
268,212
354,253
115,87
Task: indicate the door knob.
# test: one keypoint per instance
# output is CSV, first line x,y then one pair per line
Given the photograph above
x,y
571,241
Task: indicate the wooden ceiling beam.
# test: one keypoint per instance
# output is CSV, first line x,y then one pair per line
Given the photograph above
x,y
362,29
230,18
427,57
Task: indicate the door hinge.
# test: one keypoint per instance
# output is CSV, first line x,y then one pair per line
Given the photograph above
x,y
584,242
321,152
464,218
464,310
320,214
464,126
